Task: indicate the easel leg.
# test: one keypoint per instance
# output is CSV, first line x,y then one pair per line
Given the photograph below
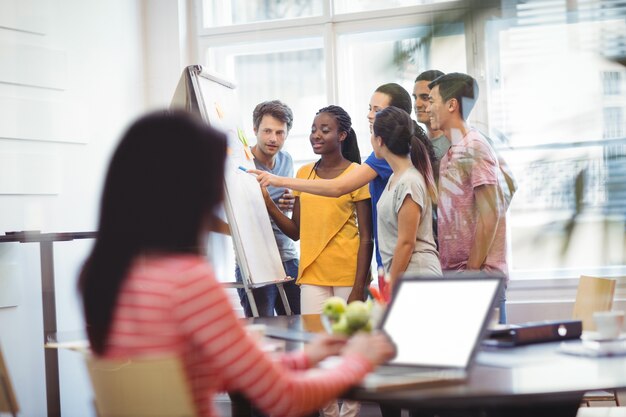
x,y
51,356
283,297
255,311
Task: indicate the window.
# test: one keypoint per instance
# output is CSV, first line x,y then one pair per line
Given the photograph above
x,y
217,13
542,99
338,59
558,119
368,60
349,6
291,71
308,56
614,122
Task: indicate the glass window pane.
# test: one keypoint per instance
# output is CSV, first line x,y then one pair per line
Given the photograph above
x,y
233,12
368,60
290,71
349,6
555,95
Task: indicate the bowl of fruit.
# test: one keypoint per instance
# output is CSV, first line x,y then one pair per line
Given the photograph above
x,y
339,317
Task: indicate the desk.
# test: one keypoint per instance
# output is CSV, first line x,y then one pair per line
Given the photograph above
x,y
532,380
46,253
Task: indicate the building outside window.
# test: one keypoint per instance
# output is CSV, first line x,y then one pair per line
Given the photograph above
x,y
611,83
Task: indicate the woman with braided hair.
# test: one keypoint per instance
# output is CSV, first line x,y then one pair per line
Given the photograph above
x,y
335,253
405,232
335,233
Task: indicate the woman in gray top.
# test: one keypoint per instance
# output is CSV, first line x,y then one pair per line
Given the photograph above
x,y
405,232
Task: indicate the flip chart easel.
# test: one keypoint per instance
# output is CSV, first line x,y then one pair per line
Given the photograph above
x,y
255,247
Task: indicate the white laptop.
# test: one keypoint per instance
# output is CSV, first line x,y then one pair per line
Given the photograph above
x,y
437,325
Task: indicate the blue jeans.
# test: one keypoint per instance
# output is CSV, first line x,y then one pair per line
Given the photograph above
x,y
267,298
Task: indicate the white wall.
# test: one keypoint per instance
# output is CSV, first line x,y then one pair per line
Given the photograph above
x,y
71,79
73,75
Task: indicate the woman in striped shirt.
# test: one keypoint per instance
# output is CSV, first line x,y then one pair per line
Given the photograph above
x,y
147,290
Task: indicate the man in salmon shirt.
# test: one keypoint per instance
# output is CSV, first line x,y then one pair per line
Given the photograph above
x,y
471,209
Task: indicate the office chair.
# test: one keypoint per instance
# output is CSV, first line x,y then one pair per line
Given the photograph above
x,y
601,412
155,387
594,294
8,402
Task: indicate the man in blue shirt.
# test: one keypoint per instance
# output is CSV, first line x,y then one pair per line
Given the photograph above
x,y
272,121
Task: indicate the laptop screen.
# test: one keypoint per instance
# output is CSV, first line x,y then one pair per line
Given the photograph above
x,y
438,321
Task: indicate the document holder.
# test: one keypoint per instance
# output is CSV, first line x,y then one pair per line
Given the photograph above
x,y
535,332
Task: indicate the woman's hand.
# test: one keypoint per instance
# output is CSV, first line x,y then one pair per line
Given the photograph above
x,y
375,347
356,294
266,179
323,346
285,202
266,196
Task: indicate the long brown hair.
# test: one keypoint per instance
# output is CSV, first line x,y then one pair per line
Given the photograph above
x,y
396,129
164,180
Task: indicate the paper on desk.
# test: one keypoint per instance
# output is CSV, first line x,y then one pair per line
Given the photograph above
x,y
505,358
595,349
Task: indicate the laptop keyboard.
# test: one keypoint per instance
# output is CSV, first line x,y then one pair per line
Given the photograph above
x,y
426,373
387,377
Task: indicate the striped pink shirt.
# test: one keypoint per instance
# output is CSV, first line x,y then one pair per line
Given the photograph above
x,y
174,304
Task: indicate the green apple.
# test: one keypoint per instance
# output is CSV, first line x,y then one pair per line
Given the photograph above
x,y
334,307
368,327
357,314
341,327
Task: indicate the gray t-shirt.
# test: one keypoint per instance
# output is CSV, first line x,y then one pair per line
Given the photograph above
x,y
425,259
283,167
441,145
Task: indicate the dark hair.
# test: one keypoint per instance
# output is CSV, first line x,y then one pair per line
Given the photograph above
x,y
399,97
164,180
429,75
461,87
275,108
349,146
395,127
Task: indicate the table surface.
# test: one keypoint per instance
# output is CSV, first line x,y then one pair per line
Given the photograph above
x,y
537,373
36,236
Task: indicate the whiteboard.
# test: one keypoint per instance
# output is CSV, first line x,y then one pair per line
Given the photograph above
x,y
255,246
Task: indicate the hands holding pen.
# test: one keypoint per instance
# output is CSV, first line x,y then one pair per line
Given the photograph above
x,y
266,179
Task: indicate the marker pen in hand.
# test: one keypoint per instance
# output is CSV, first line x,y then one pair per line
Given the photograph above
x,y
244,169
381,279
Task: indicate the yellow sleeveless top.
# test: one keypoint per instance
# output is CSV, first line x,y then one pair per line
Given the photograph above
x,y
329,236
